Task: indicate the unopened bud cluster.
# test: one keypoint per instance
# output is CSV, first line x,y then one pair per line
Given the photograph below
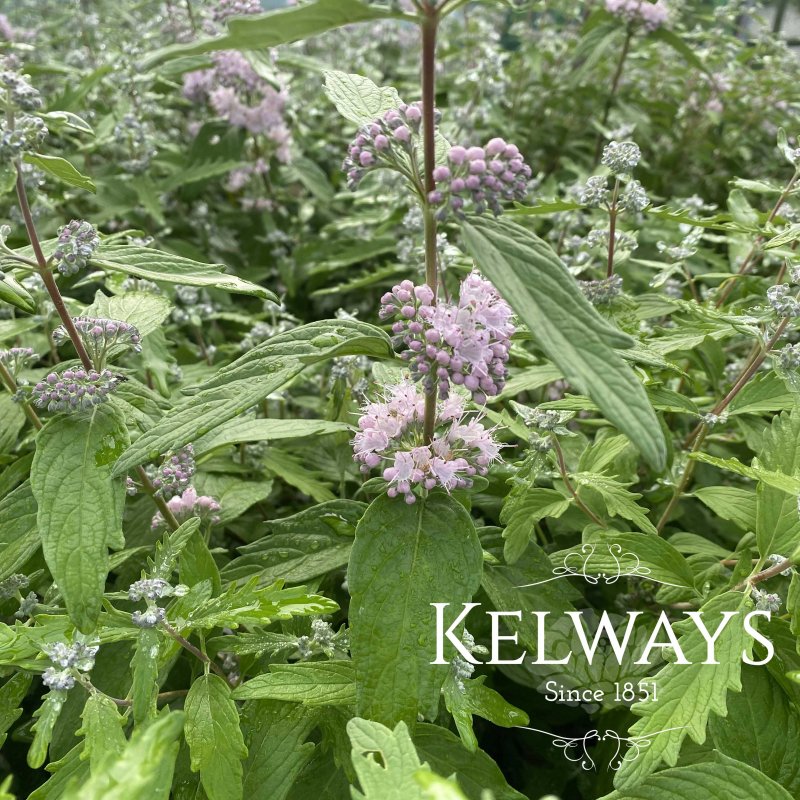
x,y
16,358
74,389
18,91
766,601
386,142
26,135
621,158
175,473
480,178
151,590
67,658
602,292
464,343
783,301
100,335
77,241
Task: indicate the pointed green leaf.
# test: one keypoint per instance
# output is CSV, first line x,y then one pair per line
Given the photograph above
x,y
71,481
312,683
102,730
214,737
61,169
404,558
572,334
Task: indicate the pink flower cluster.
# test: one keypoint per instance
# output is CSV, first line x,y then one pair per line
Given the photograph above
x,y
391,436
465,343
244,99
377,143
484,176
187,505
649,15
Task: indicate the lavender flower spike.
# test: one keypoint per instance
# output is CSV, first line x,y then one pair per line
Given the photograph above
x,y
77,241
74,389
100,335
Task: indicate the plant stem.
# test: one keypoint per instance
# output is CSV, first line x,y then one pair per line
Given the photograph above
x,y
429,26
766,574
562,469
613,93
750,257
195,651
612,229
8,379
46,273
685,479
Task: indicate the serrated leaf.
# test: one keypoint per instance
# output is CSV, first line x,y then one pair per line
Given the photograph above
x,y
404,558
145,675
720,779
61,169
102,730
730,503
573,335
762,729
777,520
475,772
265,430
275,735
385,761
168,550
46,717
145,310
250,605
303,546
521,516
277,27
312,683
770,477
612,553
250,379
67,770
18,531
614,496
357,98
688,693
465,698
214,737
143,769
71,480
12,693
157,265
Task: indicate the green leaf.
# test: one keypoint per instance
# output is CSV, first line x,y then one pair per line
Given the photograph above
x,y
60,168
614,496
291,469
145,310
772,478
214,737
762,729
300,547
12,693
266,430
102,730
777,521
277,27
312,683
671,39
249,605
358,99
521,516
275,735
46,717
476,772
65,771
465,698
720,779
16,295
572,334
156,265
143,769
168,550
20,537
612,553
145,675
321,779
404,558
250,379
71,481
688,693
385,761
66,119
730,503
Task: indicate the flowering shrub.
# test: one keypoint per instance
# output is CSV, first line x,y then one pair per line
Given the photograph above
x,y
336,429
